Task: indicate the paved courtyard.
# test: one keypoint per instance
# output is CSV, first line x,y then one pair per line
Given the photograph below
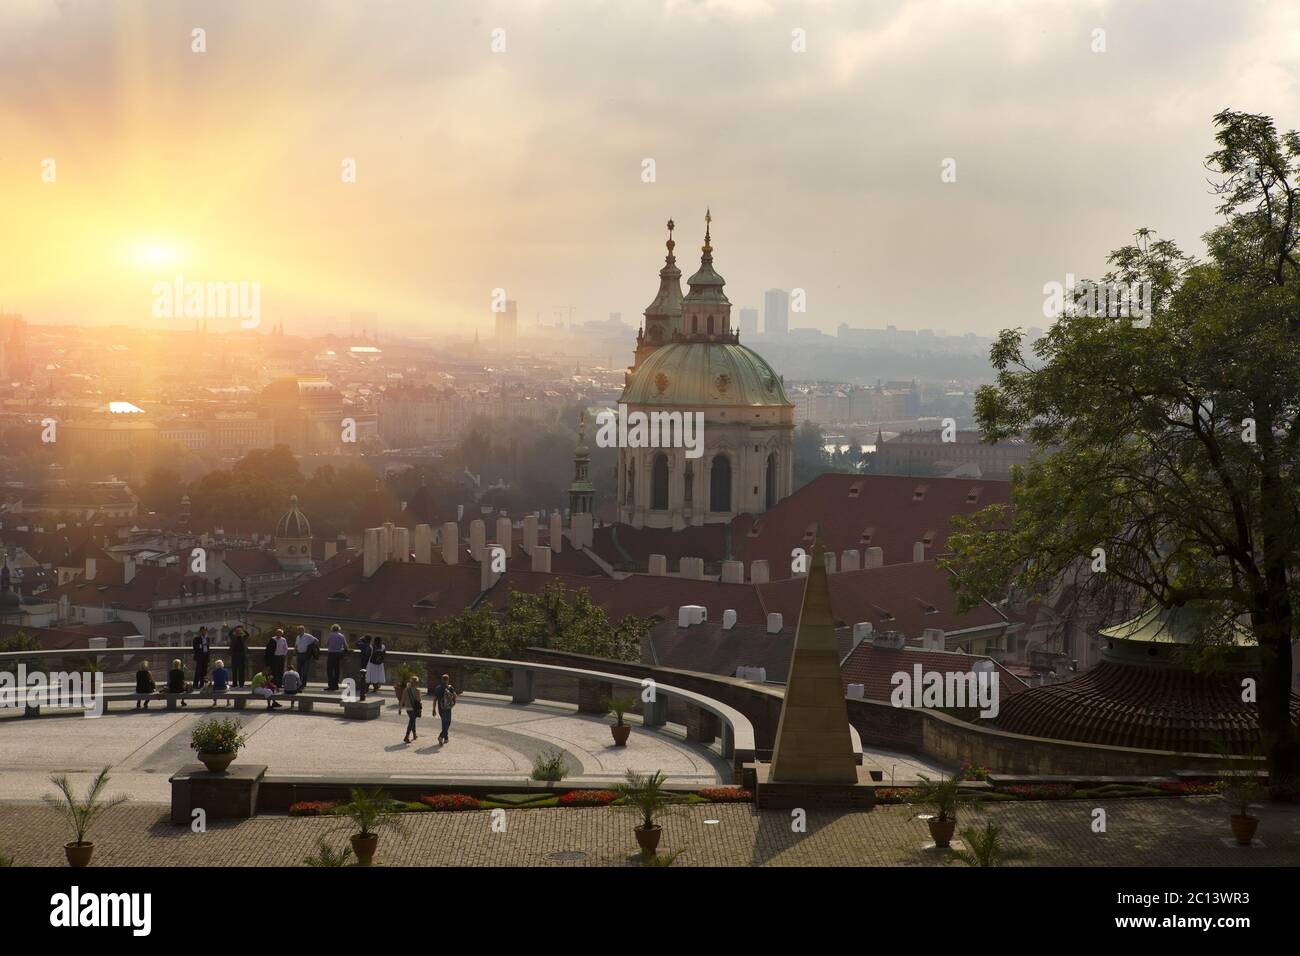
x,y
1186,831
490,738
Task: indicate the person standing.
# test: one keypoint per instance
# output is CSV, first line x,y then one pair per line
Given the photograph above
x,y
238,655
414,705
305,649
336,645
375,674
364,649
445,695
279,656
202,649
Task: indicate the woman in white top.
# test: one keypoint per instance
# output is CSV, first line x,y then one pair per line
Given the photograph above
x,y
375,674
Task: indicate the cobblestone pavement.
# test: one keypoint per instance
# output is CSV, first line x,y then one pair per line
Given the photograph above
x,y
1189,831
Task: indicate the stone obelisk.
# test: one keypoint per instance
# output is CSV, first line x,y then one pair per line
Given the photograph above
x,y
813,744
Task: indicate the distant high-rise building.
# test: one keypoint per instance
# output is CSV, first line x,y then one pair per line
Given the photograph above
x,y
507,327
776,312
749,321
364,325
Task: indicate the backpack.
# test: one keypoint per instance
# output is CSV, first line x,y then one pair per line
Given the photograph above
x,y
448,699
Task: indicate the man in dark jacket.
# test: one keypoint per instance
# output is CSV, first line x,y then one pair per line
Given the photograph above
x,y
202,650
238,655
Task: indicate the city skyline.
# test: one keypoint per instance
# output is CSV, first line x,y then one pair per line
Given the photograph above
x,y
523,169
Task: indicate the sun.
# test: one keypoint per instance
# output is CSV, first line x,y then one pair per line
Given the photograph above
x,y
153,255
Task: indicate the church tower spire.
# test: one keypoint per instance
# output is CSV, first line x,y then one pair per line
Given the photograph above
x,y
582,492
663,316
706,311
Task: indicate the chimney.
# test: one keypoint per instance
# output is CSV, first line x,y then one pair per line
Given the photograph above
x,y
692,568
450,542
90,569
477,539
918,551
873,558
774,623
580,533
460,513
861,632
830,562
932,639
401,544
733,572
505,534
542,560
892,640
857,691
557,532
423,544
758,572
128,570
372,551
487,577
689,614
850,560
728,619
658,565
530,533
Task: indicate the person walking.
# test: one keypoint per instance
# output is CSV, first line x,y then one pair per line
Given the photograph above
x,y
336,645
414,705
238,655
445,695
202,650
376,676
278,656
305,649
145,684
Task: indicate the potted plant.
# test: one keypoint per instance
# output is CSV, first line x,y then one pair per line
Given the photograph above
x,y
985,847
1240,792
942,796
217,741
369,812
618,706
82,813
646,796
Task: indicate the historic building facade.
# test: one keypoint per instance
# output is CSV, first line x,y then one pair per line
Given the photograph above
x,y
689,359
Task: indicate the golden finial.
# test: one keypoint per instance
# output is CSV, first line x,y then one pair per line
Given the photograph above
x,y
671,244
708,218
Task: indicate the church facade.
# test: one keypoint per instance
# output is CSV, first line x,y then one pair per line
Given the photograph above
x,y
689,359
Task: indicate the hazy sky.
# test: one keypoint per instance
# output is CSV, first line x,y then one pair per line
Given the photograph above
x,y
523,169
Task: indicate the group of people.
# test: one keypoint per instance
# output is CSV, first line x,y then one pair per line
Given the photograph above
x,y
281,675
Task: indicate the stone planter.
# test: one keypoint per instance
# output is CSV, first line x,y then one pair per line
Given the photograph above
x,y
1244,827
364,847
216,763
941,831
647,838
620,732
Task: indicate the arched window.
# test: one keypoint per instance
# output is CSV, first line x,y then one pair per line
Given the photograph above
x,y
659,484
710,325
720,484
771,481
695,323
629,489
688,483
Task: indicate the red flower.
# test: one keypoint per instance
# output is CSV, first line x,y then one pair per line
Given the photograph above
x,y
311,808
726,794
587,798
451,801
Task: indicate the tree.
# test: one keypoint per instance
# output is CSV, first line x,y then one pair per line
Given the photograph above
x,y
1177,441
162,491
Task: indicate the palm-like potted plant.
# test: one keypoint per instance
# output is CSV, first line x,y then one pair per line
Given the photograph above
x,y
82,813
217,741
942,796
1240,792
984,847
369,812
618,706
645,795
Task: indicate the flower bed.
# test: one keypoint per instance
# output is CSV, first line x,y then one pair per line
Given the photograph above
x,y
1189,788
312,808
726,795
587,798
1038,791
451,801
893,795
970,771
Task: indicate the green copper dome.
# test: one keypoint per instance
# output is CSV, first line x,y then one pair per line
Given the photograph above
x,y
704,373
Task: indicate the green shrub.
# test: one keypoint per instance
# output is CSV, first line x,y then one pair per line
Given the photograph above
x,y
217,735
326,855
984,847
550,767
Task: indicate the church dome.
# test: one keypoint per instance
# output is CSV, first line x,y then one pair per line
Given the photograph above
x,y
294,523
704,373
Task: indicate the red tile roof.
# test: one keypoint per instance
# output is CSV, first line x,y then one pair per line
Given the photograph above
x,y
874,667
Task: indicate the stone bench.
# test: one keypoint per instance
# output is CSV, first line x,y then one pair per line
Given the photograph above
x,y
368,709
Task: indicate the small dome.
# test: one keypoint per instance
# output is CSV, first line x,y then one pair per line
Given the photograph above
x,y
704,373
294,524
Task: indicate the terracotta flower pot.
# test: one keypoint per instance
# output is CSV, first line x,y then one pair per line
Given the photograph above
x,y
78,853
620,732
1244,827
216,763
364,847
647,838
941,831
